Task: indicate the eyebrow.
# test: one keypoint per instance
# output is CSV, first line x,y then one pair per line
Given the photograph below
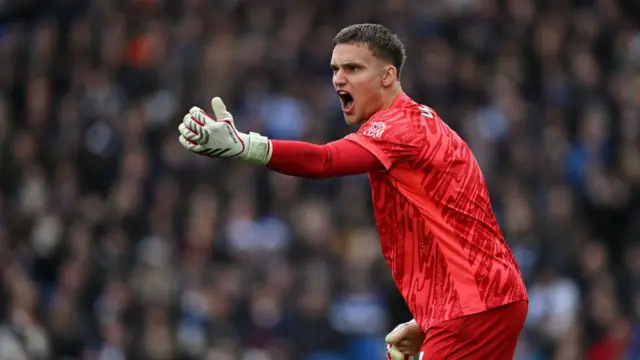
x,y
349,63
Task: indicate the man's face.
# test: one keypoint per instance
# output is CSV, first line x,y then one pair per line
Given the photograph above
x,y
357,78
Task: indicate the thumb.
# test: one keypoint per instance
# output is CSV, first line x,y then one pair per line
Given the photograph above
x,y
220,110
397,335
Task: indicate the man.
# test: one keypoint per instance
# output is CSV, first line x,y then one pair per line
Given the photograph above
x,y
437,230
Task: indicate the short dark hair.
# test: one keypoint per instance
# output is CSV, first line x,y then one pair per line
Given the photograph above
x,y
381,41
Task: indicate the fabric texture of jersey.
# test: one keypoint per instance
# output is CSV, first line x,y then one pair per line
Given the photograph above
x,y
437,229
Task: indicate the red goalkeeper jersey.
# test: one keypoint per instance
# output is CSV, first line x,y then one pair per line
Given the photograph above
x,y
437,229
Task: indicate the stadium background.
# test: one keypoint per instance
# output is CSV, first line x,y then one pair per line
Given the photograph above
x,y
116,243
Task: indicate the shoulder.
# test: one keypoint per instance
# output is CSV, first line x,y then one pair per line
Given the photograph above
x,y
407,112
391,122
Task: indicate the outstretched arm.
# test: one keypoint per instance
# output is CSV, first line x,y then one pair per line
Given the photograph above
x,y
217,136
339,158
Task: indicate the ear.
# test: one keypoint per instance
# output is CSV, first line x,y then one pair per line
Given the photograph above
x,y
389,76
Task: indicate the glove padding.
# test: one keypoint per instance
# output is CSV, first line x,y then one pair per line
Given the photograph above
x,y
394,354
217,136
404,341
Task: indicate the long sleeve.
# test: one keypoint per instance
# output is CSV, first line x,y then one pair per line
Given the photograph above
x,y
339,158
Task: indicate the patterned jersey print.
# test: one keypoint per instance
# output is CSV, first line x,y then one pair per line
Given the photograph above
x,y
437,229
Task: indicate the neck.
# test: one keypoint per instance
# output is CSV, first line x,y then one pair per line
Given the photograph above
x,y
389,97
392,96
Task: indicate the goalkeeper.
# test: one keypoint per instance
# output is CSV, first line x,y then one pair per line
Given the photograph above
x,y
437,229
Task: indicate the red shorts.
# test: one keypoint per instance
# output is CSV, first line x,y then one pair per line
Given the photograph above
x,y
491,334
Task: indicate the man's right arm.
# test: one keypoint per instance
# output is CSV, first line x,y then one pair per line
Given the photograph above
x,y
217,136
335,159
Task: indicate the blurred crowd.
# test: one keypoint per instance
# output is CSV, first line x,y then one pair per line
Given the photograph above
x,y
116,243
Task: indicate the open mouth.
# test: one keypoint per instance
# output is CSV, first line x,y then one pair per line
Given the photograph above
x,y
346,100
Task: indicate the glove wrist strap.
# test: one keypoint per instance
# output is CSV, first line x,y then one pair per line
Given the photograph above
x,y
259,149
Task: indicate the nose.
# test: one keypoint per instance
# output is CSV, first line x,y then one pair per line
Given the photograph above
x,y
339,79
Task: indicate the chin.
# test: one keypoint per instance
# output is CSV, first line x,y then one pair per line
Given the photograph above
x,y
352,119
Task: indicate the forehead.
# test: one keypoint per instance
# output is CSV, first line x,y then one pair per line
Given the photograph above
x,y
352,53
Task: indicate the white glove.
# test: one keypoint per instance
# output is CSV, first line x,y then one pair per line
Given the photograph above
x,y
394,354
404,338
217,136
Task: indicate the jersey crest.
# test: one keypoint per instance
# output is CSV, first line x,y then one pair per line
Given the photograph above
x,y
375,130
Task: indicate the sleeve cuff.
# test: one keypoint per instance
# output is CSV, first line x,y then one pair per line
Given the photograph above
x,y
371,147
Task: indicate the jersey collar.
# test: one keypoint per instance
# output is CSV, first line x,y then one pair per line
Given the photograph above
x,y
400,100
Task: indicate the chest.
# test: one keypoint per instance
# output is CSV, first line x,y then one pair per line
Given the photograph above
x,y
391,206
383,190
391,191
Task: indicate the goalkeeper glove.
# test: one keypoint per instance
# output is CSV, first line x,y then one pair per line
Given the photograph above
x,y
217,136
405,338
394,354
